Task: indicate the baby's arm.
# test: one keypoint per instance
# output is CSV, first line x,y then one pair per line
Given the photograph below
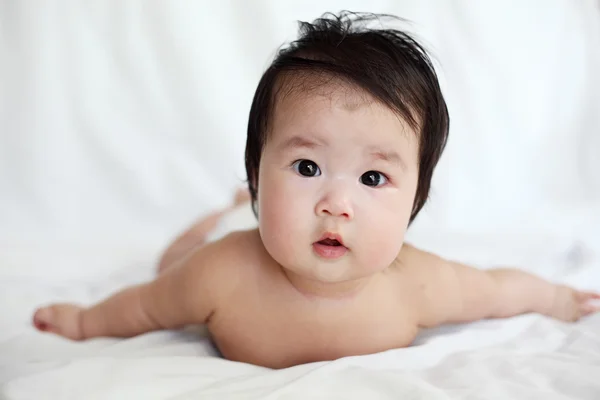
x,y
186,294
450,292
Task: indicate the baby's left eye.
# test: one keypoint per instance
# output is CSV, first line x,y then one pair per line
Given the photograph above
x,y
373,178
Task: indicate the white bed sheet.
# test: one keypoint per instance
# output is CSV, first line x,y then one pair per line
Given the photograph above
x,y
515,358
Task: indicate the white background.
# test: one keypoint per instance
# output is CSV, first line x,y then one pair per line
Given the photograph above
x,y
123,121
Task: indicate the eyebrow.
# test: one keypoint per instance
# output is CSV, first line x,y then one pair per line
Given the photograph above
x,y
299,142
389,156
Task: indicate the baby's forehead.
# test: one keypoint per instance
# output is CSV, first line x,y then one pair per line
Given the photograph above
x,y
323,89
299,102
306,119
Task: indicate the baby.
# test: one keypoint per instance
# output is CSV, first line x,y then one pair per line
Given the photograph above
x,y
345,129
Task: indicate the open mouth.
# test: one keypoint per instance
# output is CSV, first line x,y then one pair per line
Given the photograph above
x,y
330,247
330,242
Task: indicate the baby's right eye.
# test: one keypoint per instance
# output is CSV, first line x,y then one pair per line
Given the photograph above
x,y
306,168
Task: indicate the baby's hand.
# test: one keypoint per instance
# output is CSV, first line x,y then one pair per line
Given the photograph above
x,y
571,304
60,319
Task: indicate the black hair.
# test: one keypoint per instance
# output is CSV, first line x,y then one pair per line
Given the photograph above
x,y
387,64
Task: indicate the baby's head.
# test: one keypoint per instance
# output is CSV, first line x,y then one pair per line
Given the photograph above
x,y
345,130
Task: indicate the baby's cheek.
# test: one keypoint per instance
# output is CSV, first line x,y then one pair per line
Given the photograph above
x,y
280,223
384,241
280,209
383,253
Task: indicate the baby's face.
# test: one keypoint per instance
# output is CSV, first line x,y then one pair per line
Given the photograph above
x,y
336,185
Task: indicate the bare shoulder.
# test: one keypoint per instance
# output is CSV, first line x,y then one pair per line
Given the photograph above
x,y
430,269
418,263
218,268
426,276
418,270
228,254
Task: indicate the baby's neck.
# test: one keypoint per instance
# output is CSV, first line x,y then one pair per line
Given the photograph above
x,y
314,289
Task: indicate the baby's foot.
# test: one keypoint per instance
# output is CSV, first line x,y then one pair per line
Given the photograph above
x,y
241,196
60,319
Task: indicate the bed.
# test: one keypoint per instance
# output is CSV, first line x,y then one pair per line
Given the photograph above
x,y
120,123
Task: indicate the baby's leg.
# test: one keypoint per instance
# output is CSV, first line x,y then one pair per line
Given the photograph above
x,y
196,235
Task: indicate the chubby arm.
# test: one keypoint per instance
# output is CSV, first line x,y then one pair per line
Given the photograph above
x,y
183,295
450,292
173,300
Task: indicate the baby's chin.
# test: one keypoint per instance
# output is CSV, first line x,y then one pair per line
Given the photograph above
x,y
329,273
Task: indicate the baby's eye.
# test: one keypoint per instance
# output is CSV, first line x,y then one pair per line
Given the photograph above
x,y
306,168
373,179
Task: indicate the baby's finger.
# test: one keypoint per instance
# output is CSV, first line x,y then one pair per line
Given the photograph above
x,y
587,309
587,295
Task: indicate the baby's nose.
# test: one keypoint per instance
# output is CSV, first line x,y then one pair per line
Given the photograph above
x,y
335,203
